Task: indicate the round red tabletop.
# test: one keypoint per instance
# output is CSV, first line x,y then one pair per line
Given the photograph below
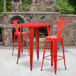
x,y
34,24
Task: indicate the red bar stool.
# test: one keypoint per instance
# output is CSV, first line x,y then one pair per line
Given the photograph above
x,y
54,39
17,33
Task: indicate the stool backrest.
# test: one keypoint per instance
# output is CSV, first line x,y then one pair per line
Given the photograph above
x,y
61,23
15,23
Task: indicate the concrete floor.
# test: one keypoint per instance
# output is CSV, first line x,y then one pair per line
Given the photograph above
x,y
8,66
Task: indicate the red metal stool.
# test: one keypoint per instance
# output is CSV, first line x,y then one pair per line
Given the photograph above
x,y
54,43
17,33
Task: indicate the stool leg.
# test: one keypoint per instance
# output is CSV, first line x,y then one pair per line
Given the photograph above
x,y
43,54
13,45
22,44
51,52
19,47
55,55
63,54
27,45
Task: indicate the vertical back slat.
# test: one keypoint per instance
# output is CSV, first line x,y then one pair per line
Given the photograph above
x,y
60,27
16,25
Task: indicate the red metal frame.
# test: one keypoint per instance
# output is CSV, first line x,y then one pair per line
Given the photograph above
x,y
20,40
53,40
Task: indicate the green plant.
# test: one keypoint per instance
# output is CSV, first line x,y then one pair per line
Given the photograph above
x,y
64,7
73,4
25,4
8,6
1,6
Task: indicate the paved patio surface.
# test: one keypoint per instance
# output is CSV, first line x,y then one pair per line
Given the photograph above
x,y
8,66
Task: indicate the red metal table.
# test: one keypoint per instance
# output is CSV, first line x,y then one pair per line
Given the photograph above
x,y
34,27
